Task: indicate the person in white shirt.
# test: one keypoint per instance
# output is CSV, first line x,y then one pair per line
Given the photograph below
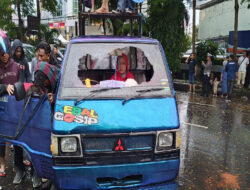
x,y
243,63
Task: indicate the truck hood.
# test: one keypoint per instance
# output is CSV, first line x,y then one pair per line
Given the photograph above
x,y
110,116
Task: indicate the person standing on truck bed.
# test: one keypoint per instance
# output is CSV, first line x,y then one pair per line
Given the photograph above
x,y
127,6
104,8
10,74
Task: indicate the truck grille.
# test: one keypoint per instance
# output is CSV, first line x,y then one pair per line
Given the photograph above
x,y
116,149
132,149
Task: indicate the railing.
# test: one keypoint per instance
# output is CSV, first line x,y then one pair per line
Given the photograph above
x,y
103,16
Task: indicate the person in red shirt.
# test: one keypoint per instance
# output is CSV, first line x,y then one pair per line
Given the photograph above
x,y
122,69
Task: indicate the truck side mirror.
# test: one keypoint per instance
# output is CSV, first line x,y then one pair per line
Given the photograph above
x,y
19,91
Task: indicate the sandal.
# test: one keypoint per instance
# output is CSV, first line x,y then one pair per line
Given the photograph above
x,y
3,174
27,163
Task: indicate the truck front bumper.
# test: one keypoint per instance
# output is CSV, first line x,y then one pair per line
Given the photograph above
x,y
116,176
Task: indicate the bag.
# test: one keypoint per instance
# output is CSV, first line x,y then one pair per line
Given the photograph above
x,y
241,63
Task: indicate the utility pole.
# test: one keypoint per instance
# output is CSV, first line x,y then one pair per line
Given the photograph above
x,y
236,13
39,17
193,29
20,21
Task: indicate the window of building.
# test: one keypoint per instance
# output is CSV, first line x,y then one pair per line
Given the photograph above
x,y
59,9
75,7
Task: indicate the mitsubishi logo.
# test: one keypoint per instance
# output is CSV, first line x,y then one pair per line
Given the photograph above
x,y
119,145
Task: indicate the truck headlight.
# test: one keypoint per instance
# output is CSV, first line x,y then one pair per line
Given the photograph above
x,y
165,140
68,144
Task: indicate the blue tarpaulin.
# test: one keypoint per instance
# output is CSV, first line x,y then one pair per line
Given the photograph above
x,y
138,1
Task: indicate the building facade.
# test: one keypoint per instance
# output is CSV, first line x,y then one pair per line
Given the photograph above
x,y
217,19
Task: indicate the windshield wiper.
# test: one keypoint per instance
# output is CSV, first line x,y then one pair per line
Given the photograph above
x,y
141,92
93,92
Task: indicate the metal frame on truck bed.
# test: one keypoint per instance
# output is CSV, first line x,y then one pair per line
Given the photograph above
x,y
103,16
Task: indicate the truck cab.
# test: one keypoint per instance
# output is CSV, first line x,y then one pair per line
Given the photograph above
x,y
102,132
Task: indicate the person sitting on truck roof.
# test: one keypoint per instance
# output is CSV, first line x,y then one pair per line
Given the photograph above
x,y
122,69
46,77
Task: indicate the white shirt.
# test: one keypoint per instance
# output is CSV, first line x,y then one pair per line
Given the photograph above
x,y
243,65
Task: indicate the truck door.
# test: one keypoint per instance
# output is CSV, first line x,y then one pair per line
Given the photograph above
x,y
36,134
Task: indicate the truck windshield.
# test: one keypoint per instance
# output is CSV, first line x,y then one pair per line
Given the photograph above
x,y
126,67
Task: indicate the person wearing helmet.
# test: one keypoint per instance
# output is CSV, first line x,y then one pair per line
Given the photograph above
x,y
6,86
9,75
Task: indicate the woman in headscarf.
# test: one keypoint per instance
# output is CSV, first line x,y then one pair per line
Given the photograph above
x,y
122,69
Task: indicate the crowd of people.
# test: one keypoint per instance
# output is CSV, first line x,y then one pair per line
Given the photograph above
x,y
43,75
235,71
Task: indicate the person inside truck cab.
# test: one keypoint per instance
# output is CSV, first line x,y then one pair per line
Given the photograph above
x,y
122,69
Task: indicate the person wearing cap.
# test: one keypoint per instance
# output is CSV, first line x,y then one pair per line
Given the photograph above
x,y
206,77
9,75
232,72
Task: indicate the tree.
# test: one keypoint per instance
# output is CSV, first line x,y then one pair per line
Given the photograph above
x,y
204,48
246,1
24,8
236,13
6,23
166,23
49,5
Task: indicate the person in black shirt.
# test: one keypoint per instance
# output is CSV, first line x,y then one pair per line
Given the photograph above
x,y
192,71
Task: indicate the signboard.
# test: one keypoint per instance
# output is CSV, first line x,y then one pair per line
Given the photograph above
x,y
57,25
33,24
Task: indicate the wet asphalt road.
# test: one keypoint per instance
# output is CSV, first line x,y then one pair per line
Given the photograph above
x,y
215,147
